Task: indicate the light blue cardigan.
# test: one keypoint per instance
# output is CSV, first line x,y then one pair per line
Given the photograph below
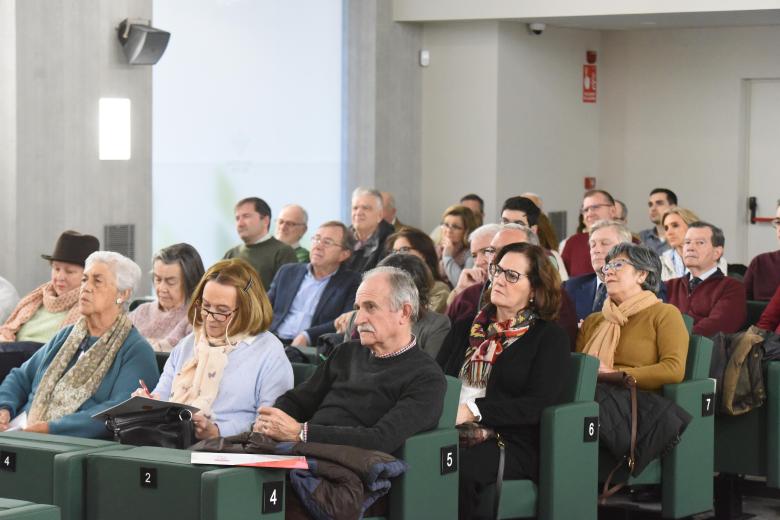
x,y
256,374
135,360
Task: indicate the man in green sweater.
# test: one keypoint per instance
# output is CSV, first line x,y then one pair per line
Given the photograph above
x,y
260,248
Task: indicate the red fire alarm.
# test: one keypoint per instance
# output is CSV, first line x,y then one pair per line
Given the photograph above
x,y
590,183
590,57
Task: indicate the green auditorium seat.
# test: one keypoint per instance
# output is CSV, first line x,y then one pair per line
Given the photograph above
x,y
685,473
754,310
21,510
302,372
162,358
47,469
749,444
160,483
568,464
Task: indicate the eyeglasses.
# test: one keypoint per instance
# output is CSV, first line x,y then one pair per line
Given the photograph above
x,y
453,227
510,275
487,251
594,207
403,249
282,222
220,317
615,265
326,242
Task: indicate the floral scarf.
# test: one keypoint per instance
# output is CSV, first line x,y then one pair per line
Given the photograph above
x,y
488,339
61,390
29,305
197,383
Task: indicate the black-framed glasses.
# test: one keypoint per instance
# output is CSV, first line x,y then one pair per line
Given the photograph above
x,y
510,275
615,265
220,317
282,222
326,242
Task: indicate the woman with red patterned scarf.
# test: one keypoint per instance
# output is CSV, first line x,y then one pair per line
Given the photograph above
x,y
509,360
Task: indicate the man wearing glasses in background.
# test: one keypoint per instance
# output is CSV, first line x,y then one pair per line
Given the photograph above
x,y
763,275
596,205
306,298
291,225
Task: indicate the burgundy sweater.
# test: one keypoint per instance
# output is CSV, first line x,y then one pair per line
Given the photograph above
x,y
718,304
763,276
576,255
770,318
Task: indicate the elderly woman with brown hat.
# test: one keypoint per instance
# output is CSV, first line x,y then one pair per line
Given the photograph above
x,y
39,315
89,366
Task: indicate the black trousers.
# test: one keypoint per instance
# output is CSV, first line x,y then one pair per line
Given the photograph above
x,y
478,470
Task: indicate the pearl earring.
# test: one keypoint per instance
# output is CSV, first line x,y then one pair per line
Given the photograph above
x,y
119,301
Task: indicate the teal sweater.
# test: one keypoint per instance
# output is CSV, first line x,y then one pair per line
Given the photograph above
x,y
135,360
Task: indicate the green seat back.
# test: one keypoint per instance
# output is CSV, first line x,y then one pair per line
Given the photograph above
x,y
754,310
450,410
162,358
302,372
697,365
688,320
19,509
581,379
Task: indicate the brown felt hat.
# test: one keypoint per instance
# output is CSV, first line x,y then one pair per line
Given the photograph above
x,y
74,248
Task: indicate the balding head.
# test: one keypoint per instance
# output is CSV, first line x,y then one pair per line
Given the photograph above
x,y
291,224
388,207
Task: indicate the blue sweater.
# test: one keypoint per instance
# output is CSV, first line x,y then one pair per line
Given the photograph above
x,y
256,374
135,360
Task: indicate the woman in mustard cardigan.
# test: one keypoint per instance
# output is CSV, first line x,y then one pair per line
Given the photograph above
x,y
636,332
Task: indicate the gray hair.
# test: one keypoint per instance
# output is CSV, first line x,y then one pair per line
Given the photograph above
x,y
718,238
303,211
484,230
402,288
531,237
624,234
126,272
643,259
362,192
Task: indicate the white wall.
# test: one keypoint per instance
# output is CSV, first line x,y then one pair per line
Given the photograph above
x,y
672,115
8,137
67,56
547,137
459,116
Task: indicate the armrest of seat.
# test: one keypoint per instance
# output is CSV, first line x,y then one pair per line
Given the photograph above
x,y
772,386
236,492
423,492
688,468
568,478
32,512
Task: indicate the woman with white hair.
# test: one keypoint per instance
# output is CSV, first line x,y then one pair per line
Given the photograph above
x,y
86,367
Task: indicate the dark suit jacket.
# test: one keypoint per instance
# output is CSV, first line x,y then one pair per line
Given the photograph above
x,y
366,258
337,298
582,291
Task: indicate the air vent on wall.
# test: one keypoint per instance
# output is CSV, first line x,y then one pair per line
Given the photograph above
x,y
558,221
120,238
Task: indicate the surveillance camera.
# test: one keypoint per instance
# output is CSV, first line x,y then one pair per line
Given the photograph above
x,y
536,28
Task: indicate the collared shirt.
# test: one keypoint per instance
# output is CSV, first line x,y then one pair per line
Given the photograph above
x,y
704,276
398,352
263,238
650,238
677,262
304,304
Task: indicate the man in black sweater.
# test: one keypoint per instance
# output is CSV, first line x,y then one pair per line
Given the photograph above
x,y
373,393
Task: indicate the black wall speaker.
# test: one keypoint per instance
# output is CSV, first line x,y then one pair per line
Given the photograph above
x,y
143,44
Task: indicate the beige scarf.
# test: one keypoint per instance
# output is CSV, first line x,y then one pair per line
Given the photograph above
x,y
606,337
61,393
29,305
197,383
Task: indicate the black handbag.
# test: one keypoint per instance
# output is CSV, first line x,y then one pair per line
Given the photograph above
x,y
170,427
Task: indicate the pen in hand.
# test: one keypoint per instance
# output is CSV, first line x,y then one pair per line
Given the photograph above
x,y
143,386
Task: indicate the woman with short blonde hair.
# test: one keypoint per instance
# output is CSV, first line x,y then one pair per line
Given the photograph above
x,y
230,365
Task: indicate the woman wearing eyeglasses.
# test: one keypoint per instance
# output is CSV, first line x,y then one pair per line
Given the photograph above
x,y
510,360
453,249
230,365
415,242
636,332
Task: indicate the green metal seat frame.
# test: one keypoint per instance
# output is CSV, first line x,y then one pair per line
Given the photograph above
x,y
22,510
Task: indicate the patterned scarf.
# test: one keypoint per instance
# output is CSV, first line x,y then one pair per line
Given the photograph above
x,y
61,393
197,384
488,339
29,305
604,341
